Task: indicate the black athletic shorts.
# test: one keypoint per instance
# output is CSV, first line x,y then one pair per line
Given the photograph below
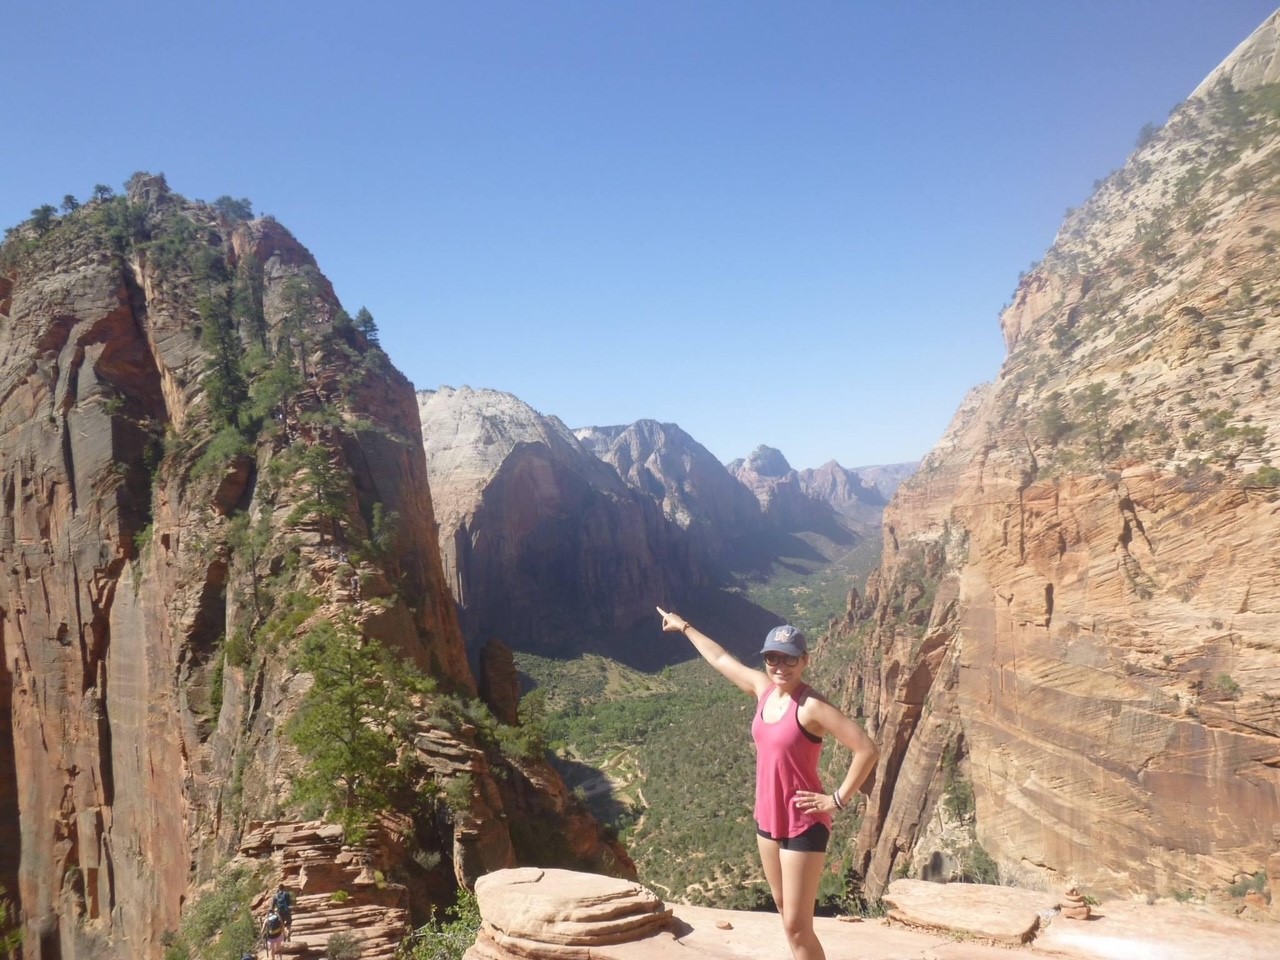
x,y
813,840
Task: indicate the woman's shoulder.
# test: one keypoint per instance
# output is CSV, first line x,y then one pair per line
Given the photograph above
x,y
807,693
812,703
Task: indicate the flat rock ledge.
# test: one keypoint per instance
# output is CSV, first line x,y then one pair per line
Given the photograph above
x,y
1001,915
535,914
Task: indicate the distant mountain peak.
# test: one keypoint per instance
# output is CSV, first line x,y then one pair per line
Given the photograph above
x,y
768,462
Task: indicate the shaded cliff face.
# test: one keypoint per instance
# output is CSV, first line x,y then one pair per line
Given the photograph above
x,y
815,502
544,547
846,491
202,456
719,515
1079,609
779,490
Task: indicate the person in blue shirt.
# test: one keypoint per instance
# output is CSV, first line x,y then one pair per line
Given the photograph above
x,y
282,903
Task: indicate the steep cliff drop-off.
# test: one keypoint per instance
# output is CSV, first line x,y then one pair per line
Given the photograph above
x,y
1078,616
201,456
545,548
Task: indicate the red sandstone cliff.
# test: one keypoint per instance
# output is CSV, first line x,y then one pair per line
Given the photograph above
x,y
197,441
1078,617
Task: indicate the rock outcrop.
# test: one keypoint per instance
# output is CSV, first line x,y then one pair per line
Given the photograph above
x,y
201,458
721,518
339,890
829,501
885,478
1073,639
537,913
777,487
544,546
500,681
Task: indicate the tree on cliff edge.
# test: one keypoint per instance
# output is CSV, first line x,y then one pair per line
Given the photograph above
x,y
354,726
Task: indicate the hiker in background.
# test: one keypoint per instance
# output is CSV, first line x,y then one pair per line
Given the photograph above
x,y
282,903
273,933
793,810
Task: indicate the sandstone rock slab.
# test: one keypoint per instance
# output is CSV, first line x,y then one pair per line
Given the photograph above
x,y
1121,930
547,913
997,914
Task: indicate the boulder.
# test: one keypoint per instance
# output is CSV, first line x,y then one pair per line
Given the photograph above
x,y
534,913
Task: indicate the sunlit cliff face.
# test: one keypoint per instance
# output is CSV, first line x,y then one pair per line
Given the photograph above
x,y
1078,614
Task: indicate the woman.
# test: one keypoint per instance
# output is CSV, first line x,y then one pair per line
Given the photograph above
x,y
793,811
273,933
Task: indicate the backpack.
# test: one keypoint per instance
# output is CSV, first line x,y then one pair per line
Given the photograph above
x,y
275,926
282,901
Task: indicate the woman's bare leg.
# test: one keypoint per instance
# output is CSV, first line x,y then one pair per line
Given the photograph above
x,y
769,851
801,874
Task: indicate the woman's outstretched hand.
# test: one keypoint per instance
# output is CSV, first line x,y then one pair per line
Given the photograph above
x,y
672,622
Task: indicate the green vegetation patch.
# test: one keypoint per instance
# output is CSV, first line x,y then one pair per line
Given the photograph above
x,y
219,924
447,937
355,726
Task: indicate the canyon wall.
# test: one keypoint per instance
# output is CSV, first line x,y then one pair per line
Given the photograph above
x,y
203,456
1074,640
544,547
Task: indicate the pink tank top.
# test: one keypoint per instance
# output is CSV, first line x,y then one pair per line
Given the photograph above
x,y
786,761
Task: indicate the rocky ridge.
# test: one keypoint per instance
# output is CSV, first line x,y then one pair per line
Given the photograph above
x,y
203,456
338,889
555,542
846,491
1071,645
718,514
777,487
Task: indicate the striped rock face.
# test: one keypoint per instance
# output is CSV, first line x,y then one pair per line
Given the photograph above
x,y
1071,653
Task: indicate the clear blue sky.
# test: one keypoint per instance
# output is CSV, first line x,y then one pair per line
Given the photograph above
x,y
790,223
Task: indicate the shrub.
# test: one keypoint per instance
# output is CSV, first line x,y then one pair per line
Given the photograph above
x,y
226,445
219,925
1227,686
10,929
43,216
978,867
233,209
342,946
445,939
1265,476
1253,884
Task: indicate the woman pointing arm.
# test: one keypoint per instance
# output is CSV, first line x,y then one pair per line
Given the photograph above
x,y
793,811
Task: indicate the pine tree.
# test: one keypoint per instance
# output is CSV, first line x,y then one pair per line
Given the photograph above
x,y
366,326
354,726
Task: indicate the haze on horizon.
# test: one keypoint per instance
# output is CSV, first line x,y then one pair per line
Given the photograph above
x,y
767,227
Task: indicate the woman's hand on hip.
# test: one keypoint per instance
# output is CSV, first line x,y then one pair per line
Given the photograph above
x,y
814,802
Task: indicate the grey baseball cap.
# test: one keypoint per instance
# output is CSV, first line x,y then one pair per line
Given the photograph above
x,y
785,639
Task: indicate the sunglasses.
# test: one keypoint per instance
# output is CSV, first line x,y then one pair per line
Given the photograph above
x,y
780,660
